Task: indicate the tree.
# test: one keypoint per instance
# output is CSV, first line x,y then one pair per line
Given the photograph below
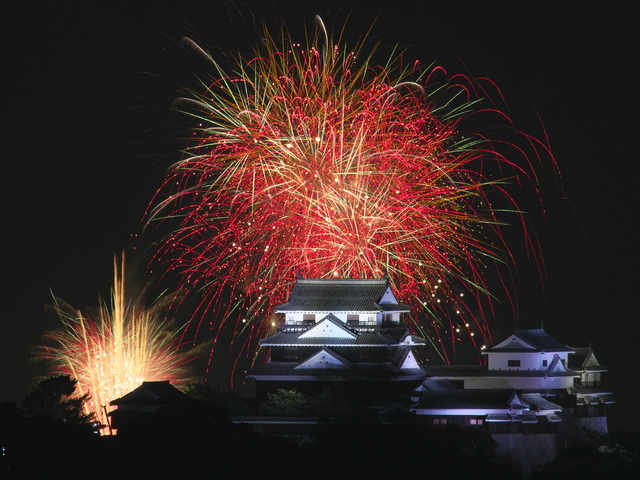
x,y
54,399
287,403
51,424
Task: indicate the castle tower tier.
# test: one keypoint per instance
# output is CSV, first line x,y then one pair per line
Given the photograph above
x,y
343,334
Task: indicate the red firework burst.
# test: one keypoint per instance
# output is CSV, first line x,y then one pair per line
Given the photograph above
x,y
313,158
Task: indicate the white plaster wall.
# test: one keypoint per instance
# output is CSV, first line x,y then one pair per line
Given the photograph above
x,y
365,318
528,361
518,382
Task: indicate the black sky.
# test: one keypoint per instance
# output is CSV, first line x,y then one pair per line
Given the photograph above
x,y
86,116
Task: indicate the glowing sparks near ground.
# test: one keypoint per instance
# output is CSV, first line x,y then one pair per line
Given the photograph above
x,y
113,352
314,158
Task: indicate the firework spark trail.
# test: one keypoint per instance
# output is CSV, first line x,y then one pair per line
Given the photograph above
x,y
110,355
314,159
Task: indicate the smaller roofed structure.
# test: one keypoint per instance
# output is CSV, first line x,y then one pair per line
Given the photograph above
x,y
144,400
530,340
531,350
152,393
589,387
530,362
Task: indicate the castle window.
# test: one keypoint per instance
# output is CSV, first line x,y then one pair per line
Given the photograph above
x,y
544,363
290,353
513,363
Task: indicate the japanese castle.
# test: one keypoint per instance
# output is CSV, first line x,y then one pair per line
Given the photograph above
x,y
339,332
534,394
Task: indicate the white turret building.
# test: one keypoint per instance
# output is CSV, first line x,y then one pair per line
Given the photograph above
x,y
535,395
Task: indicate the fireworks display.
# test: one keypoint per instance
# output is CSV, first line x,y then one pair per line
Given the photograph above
x,y
317,158
112,353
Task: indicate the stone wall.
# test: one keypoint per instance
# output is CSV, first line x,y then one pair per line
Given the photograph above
x,y
576,431
527,452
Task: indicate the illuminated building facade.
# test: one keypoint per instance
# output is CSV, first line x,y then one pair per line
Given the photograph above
x,y
530,361
341,333
535,395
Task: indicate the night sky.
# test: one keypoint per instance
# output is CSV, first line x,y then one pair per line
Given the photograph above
x,y
87,137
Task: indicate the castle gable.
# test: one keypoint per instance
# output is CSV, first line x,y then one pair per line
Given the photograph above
x,y
410,339
388,297
407,360
514,344
329,327
556,365
516,403
583,358
325,358
592,361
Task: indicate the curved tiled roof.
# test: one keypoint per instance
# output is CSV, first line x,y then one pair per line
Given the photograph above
x,y
465,399
356,371
339,295
367,339
536,339
153,393
538,402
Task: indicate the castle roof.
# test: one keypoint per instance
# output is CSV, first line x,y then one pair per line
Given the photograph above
x,y
539,403
536,340
583,359
153,393
341,295
487,399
